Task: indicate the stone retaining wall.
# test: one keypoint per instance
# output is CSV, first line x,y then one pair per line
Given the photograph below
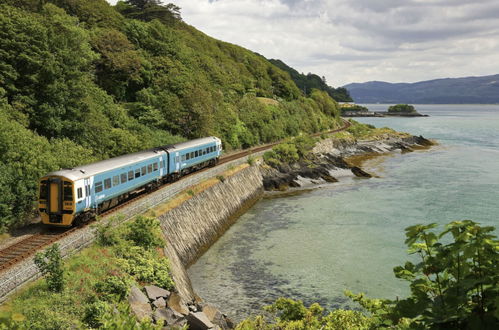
x,y
191,228
14,277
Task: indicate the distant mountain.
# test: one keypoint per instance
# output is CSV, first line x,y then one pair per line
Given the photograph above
x,y
312,81
450,90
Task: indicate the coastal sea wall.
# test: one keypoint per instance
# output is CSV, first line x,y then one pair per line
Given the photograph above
x,y
192,227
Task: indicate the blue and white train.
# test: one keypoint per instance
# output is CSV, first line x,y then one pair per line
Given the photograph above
x,y
76,195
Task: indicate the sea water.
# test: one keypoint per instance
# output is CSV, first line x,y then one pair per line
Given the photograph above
x,y
349,235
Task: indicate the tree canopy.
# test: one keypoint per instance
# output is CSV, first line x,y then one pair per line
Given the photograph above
x,y
401,108
81,80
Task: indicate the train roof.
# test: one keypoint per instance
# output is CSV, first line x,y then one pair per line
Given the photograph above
x,y
191,143
85,171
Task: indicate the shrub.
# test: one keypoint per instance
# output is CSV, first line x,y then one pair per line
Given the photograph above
x,y
286,152
145,232
120,317
106,235
293,315
50,265
146,266
114,287
95,313
220,178
251,160
304,145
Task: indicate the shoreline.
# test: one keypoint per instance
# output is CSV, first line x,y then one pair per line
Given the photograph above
x,y
331,160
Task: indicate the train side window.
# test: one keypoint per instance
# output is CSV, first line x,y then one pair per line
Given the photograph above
x,y
79,193
116,180
123,177
107,183
155,166
196,153
137,173
149,168
143,170
192,154
183,158
68,193
130,175
188,156
98,186
87,190
44,191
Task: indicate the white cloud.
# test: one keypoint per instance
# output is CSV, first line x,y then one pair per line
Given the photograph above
x,y
360,40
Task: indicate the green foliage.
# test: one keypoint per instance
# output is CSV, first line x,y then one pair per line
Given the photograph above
x,y
97,283
220,178
293,315
107,235
115,287
145,232
50,265
95,313
404,108
455,283
291,151
311,81
106,316
82,81
122,318
251,160
353,107
453,286
146,266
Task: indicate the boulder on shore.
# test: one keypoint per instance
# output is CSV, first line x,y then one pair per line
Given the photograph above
x,y
139,304
199,321
155,292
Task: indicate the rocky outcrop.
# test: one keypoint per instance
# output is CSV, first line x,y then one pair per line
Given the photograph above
x,y
327,161
160,305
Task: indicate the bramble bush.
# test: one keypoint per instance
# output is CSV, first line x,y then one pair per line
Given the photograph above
x,y
50,265
145,232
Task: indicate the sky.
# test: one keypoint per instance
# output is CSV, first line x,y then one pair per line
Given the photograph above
x,y
360,40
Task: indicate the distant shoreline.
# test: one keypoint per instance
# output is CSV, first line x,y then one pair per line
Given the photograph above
x,y
381,114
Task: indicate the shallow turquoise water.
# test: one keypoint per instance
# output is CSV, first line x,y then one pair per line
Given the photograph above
x,y
350,235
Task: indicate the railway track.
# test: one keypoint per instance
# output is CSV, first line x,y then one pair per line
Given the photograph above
x,y
28,246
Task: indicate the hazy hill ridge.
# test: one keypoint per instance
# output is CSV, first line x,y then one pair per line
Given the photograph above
x,y
484,90
311,81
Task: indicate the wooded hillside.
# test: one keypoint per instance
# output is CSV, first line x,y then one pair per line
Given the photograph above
x,y
81,80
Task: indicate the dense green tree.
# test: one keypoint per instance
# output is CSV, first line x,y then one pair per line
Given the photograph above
x,y
82,80
401,108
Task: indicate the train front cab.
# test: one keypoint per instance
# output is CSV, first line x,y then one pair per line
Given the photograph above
x,y
56,201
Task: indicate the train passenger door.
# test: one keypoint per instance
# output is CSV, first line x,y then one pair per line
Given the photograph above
x,y
161,168
177,162
88,195
55,196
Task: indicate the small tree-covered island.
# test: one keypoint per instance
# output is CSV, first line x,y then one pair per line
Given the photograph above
x,y
403,110
82,81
